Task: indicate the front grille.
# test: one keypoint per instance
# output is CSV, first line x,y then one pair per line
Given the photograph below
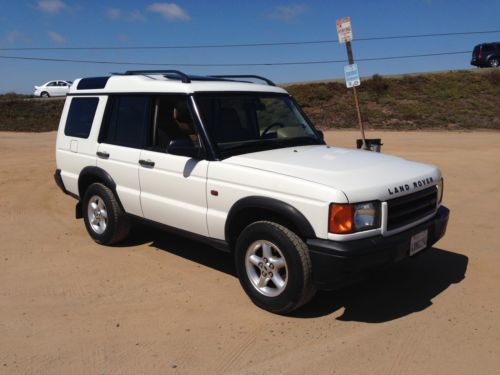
x,y
405,210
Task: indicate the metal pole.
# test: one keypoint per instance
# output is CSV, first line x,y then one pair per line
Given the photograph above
x,y
360,122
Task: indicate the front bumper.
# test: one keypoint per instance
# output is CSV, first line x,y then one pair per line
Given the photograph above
x,y
335,264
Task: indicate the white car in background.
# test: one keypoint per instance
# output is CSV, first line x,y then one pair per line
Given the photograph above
x,y
52,88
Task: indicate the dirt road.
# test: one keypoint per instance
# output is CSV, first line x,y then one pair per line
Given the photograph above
x,y
163,304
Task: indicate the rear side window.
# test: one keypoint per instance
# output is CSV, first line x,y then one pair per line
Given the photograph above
x,y
487,47
128,121
80,117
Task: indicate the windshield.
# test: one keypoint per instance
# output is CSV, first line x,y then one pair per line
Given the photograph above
x,y
250,122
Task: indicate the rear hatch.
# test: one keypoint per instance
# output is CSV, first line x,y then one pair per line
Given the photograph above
x,y
476,55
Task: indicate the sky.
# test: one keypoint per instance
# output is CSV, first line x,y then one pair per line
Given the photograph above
x,y
105,23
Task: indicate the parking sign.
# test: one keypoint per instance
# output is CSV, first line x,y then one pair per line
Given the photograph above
x,y
351,75
344,30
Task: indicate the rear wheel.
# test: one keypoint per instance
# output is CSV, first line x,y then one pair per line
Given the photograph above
x,y
274,267
494,62
104,219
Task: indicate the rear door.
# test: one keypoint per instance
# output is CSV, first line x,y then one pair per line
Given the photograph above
x,y
51,88
173,187
122,137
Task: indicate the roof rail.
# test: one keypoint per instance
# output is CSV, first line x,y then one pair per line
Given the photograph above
x,y
268,81
183,76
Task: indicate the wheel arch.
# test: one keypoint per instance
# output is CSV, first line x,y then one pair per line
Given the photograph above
x,y
255,208
92,174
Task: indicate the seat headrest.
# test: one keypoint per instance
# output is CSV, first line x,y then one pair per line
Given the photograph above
x,y
183,118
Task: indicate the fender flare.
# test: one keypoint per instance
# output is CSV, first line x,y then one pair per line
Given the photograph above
x,y
281,208
93,172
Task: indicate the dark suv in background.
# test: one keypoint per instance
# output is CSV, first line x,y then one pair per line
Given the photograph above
x,y
486,55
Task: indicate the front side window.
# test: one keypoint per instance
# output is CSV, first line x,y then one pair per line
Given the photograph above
x,y
172,121
128,121
80,117
250,122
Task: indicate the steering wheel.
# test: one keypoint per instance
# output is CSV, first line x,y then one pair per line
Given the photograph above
x,y
273,125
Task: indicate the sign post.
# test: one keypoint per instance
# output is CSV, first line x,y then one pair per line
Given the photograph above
x,y
344,31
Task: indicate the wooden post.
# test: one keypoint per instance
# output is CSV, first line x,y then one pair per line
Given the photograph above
x,y
360,122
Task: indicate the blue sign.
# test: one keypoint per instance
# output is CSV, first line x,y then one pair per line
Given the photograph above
x,y
351,75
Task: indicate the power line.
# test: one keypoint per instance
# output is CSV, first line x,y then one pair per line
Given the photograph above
x,y
242,45
228,64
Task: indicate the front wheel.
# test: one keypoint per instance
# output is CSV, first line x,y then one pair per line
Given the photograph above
x,y
44,94
274,267
104,219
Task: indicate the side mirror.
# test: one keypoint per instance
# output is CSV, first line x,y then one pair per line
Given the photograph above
x,y
184,147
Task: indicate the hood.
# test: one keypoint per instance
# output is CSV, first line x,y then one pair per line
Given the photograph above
x,y
361,175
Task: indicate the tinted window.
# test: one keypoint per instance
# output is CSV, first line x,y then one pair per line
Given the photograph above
x,y
128,121
80,117
487,47
52,84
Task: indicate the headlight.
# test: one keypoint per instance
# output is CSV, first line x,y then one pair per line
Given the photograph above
x,y
350,218
440,190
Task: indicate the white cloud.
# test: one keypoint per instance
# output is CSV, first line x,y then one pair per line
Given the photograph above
x,y
16,36
122,37
56,37
118,14
169,11
113,13
51,6
136,15
287,12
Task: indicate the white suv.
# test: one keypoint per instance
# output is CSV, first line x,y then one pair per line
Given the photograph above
x,y
238,165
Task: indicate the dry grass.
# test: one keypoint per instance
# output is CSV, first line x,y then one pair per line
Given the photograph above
x,y
455,100
22,113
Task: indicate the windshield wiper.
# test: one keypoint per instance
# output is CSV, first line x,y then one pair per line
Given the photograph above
x,y
261,145
299,141
244,145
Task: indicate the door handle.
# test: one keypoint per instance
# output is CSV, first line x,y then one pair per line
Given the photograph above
x,y
102,154
147,163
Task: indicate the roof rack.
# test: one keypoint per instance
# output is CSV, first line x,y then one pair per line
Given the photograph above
x,y
183,76
268,81
176,74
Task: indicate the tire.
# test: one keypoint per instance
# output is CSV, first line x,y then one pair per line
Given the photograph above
x,y
494,62
274,267
45,94
104,219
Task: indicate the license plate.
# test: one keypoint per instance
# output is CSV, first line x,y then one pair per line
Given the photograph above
x,y
418,242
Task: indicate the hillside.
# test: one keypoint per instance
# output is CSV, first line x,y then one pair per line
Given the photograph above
x,y
462,100
453,100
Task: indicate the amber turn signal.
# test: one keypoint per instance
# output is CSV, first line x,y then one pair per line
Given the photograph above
x,y
341,218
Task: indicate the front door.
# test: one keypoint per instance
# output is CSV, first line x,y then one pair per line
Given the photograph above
x,y
173,187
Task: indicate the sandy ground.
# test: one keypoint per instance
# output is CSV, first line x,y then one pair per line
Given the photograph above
x,y
163,304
